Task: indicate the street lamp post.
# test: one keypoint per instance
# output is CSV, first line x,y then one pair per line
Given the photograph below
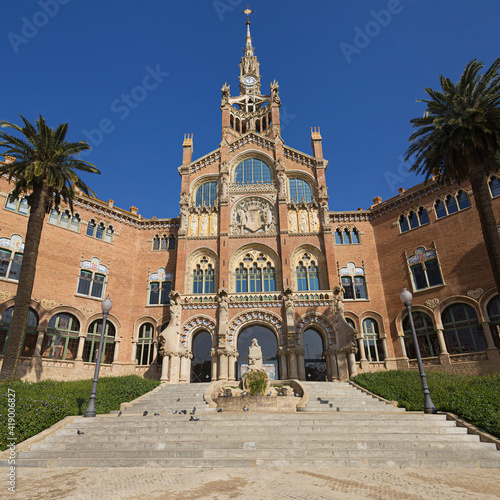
x,y
429,407
106,306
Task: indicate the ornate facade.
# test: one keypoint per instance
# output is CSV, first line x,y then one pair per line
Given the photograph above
x,y
256,252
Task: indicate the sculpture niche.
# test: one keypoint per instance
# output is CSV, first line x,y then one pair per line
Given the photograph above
x,y
256,380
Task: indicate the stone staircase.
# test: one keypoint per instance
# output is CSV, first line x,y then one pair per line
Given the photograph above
x,y
341,427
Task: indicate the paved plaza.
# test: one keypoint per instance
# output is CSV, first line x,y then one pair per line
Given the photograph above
x,y
134,483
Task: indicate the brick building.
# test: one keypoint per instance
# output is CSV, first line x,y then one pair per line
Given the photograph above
x,y
255,253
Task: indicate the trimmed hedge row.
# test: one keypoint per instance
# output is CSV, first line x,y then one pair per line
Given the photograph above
x,y
38,405
473,398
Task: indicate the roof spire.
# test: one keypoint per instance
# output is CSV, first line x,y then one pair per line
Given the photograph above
x,y
249,66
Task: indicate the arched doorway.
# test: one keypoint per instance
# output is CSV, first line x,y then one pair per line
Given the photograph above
x,y
202,361
314,361
269,345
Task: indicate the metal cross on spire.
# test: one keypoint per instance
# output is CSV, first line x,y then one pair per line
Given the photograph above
x,y
248,11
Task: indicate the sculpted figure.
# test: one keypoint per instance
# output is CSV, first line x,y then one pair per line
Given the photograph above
x,y
282,183
314,220
225,186
303,222
194,225
289,308
292,219
184,217
214,224
255,356
223,309
168,337
204,225
242,216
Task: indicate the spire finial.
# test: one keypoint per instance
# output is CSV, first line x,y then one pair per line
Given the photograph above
x,y
248,11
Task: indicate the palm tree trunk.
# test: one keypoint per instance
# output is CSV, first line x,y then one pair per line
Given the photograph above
x,y
26,280
487,219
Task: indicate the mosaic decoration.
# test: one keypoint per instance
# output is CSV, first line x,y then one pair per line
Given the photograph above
x,y
88,311
257,316
475,294
321,322
95,265
421,254
48,304
160,275
14,243
432,303
351,270
194,324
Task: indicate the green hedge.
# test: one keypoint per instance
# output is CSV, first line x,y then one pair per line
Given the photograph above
x,y
39,405
476,399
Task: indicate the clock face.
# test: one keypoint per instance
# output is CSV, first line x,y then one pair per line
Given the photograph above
x,y
249,80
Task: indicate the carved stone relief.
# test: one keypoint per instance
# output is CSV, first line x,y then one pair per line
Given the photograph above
x,y
253,215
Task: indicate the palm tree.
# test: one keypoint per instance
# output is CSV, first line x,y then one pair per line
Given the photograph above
x,y
458,138
43,172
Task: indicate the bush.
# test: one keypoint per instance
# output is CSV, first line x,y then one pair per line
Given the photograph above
x,y
473,398
39,405
257,381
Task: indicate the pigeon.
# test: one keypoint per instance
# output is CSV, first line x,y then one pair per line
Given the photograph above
x,y
270,392
257,394
79,432
120,413
220,410
297,395
193,411
194,419
244,393
144,413
185,412
178,399
156,414
175,412
245,408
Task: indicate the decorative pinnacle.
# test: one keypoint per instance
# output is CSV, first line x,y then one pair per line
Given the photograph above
x,y
248,11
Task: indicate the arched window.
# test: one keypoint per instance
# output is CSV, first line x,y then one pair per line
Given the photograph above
x,y
346,236
413,219
61,339
99,231
92,279
307,273
426,336
451,204
462,330
206,194
338,237
493,309
373,344
425,269
65,220
353,282
350,322
17,205
30,332
494,186
91,346
10,264
160,286
300,190
255,272
171,242
203,275
252,171
145,345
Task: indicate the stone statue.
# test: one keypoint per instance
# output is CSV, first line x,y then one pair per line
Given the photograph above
x,y
282,183
225,94
223,309
292,219
346,334
224,186
314,220
289,308
184,217
168,337
242,216
303,222
204,225
254,356
323,191
214,225
194,225
184,199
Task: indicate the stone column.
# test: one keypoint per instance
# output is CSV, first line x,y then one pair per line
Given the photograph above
x,y
231,370
213,366
384,347
442,343
334,371
164,367
353,367
489,336
155,352
134,350
403,346
361,348
117,350
342,366
328,367
185,367
283,364
301,364
222,365
175,367
292,364
81,344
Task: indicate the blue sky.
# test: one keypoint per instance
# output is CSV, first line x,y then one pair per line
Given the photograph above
x,y
355,69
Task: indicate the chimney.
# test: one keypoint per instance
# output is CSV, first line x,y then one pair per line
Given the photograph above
x,y
133,210
316,142
376,201
401,191
187,149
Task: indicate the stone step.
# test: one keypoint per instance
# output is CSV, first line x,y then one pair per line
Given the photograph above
x,y
288,445
269,462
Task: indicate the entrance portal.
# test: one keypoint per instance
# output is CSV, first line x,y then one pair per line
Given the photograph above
x,y
314,361
269,345
202,362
